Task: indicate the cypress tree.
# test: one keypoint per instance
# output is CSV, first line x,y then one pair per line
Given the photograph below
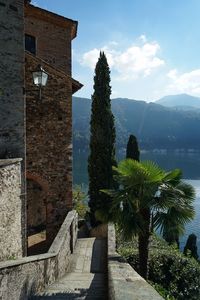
x,y
102,141
132,150
191,245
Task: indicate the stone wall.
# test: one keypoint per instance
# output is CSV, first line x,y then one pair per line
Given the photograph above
x,y
36,207
53,41
10,212
123,281
12,128
49,143
22,278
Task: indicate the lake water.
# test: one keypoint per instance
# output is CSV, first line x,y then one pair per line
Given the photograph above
x,y
189,163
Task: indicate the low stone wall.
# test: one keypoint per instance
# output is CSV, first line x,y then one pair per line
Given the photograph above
x,y
22,278
11,209
123,281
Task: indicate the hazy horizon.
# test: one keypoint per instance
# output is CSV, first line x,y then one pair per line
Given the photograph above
x,y
148,101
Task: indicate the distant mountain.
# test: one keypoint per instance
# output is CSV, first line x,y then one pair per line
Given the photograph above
x,y
156,126
182,101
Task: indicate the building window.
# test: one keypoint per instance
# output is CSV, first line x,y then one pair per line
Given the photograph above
x,y
30,43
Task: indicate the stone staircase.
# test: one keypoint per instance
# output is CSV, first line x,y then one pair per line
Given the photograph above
x,y
87,274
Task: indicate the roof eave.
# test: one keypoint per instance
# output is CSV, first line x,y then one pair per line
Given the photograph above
x,y
76,86
40,13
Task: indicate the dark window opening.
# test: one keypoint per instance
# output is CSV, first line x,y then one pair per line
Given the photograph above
x,y
30,43
13,7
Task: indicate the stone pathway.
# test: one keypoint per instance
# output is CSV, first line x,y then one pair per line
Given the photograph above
x,y
87,275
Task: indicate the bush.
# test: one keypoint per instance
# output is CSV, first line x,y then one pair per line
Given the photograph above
x,y
171,272
80,202
178,274
163,292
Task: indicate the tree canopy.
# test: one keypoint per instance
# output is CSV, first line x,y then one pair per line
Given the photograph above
x,y
102,140
145,190
132,149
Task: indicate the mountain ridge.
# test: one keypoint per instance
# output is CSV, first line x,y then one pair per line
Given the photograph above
x,y
156,126
180,100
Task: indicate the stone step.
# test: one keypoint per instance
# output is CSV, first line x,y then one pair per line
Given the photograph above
x,y
95,294
86,278
101,296
89,256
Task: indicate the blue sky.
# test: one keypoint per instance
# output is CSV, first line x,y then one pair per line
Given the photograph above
x,y
152,46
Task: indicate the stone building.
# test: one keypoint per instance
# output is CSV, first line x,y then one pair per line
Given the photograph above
x,y
39,130
12,101
48,40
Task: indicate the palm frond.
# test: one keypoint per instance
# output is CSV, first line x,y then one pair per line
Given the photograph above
x,y
173,177
155,173
143,185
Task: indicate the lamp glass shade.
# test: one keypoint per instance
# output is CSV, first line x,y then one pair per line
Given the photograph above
x,y
40,77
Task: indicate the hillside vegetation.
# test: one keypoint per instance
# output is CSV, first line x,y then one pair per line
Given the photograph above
x,y
175,276
156,126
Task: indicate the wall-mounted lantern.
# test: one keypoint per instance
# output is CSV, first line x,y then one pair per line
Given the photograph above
x,y
40,78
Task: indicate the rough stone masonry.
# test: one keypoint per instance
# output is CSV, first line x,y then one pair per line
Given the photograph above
x,y
10,212
12,106
49,119
38,130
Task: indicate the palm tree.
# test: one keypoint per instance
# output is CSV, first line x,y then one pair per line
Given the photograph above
x,y
146,189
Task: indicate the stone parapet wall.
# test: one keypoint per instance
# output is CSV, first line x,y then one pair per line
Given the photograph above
x,y
19,279
123,281
10,212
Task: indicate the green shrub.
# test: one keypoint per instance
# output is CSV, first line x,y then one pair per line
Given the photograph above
x,y
170,270
80,201
178,274
163,292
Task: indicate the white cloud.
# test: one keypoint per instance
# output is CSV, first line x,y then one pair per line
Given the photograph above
x,y
131,63
188,82
172,74
90,58
143,38
114,93
139,61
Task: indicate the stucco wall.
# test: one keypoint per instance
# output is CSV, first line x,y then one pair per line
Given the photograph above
x,y
24,277
10,209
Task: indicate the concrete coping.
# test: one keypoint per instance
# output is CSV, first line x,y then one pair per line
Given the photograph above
x,y
124,282
9,161
53,251
25,260
59,239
